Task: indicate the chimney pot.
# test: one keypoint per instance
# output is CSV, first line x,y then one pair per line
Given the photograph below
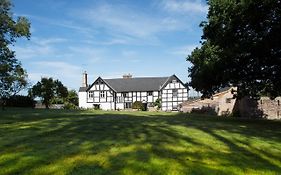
x,y
127,76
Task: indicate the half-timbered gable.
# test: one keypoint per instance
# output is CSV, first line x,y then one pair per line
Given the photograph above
x,y
173,93
100,95
121,93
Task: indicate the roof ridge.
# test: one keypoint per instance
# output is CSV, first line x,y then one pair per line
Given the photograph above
x,y
130,78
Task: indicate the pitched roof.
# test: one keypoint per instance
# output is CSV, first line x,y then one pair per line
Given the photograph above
x,y
136,84
83,89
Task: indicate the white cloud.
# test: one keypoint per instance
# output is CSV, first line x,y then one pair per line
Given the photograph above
x,y
37,47
26,52
69,24
68,73
47,41
115,41
129,53
124,21
183,51
88,54
185,6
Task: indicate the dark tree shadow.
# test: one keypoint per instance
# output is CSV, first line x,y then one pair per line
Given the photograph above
x,y
248,108
115,143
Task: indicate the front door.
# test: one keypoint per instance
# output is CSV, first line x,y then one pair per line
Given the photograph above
x,y
128,105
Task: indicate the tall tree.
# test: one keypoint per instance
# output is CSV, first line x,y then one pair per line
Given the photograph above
x,y
48,89
240,47
13,77
72,97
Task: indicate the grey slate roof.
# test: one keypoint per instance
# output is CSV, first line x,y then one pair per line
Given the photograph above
x,y
83,89
136,84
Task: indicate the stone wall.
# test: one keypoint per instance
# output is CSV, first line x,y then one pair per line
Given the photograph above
x,y
263,108
221,103
270,108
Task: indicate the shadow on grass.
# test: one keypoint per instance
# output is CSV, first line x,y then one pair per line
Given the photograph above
x,y
97,142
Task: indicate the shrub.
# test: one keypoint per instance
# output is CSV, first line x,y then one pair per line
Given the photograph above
x,y
96,107
204,110
138,105
157,103
20,101
235,113
69,106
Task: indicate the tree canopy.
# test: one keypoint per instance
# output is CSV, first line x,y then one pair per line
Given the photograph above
x,y
72,97
48,89
240,47
13,77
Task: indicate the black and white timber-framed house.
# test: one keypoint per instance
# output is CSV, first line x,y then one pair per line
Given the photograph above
x,y
121,93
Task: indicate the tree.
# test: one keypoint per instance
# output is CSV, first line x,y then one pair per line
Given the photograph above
x,y
71,101
13,77
72,97
240,47
48,89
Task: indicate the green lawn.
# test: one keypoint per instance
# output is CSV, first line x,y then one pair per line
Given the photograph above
x,y
97,142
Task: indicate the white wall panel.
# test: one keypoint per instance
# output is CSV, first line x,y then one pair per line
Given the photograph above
x,y
181,86
120,105
150,99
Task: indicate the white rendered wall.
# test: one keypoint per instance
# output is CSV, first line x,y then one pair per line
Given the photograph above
x,y
107,106
119,106
83,100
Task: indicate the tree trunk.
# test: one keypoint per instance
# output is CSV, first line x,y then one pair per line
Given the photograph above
x,y
2,104
47,106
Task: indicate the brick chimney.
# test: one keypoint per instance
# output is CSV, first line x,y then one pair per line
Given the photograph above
x,y
127,76
85,79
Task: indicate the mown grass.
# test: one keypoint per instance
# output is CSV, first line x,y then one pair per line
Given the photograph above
x,y
98,142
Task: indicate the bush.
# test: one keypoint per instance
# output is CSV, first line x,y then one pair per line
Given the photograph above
x,y
235,113
69,106
96,107
138,105
204,110
20,101
157,103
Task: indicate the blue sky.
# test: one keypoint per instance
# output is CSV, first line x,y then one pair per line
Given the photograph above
x,y
108,38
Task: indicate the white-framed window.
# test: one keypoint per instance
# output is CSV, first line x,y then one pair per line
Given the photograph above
x,y
119,99
102,94
125,94
174,107
90,94
175,92
149,93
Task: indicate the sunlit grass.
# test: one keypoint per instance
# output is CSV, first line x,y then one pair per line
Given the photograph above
x,y
104,142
